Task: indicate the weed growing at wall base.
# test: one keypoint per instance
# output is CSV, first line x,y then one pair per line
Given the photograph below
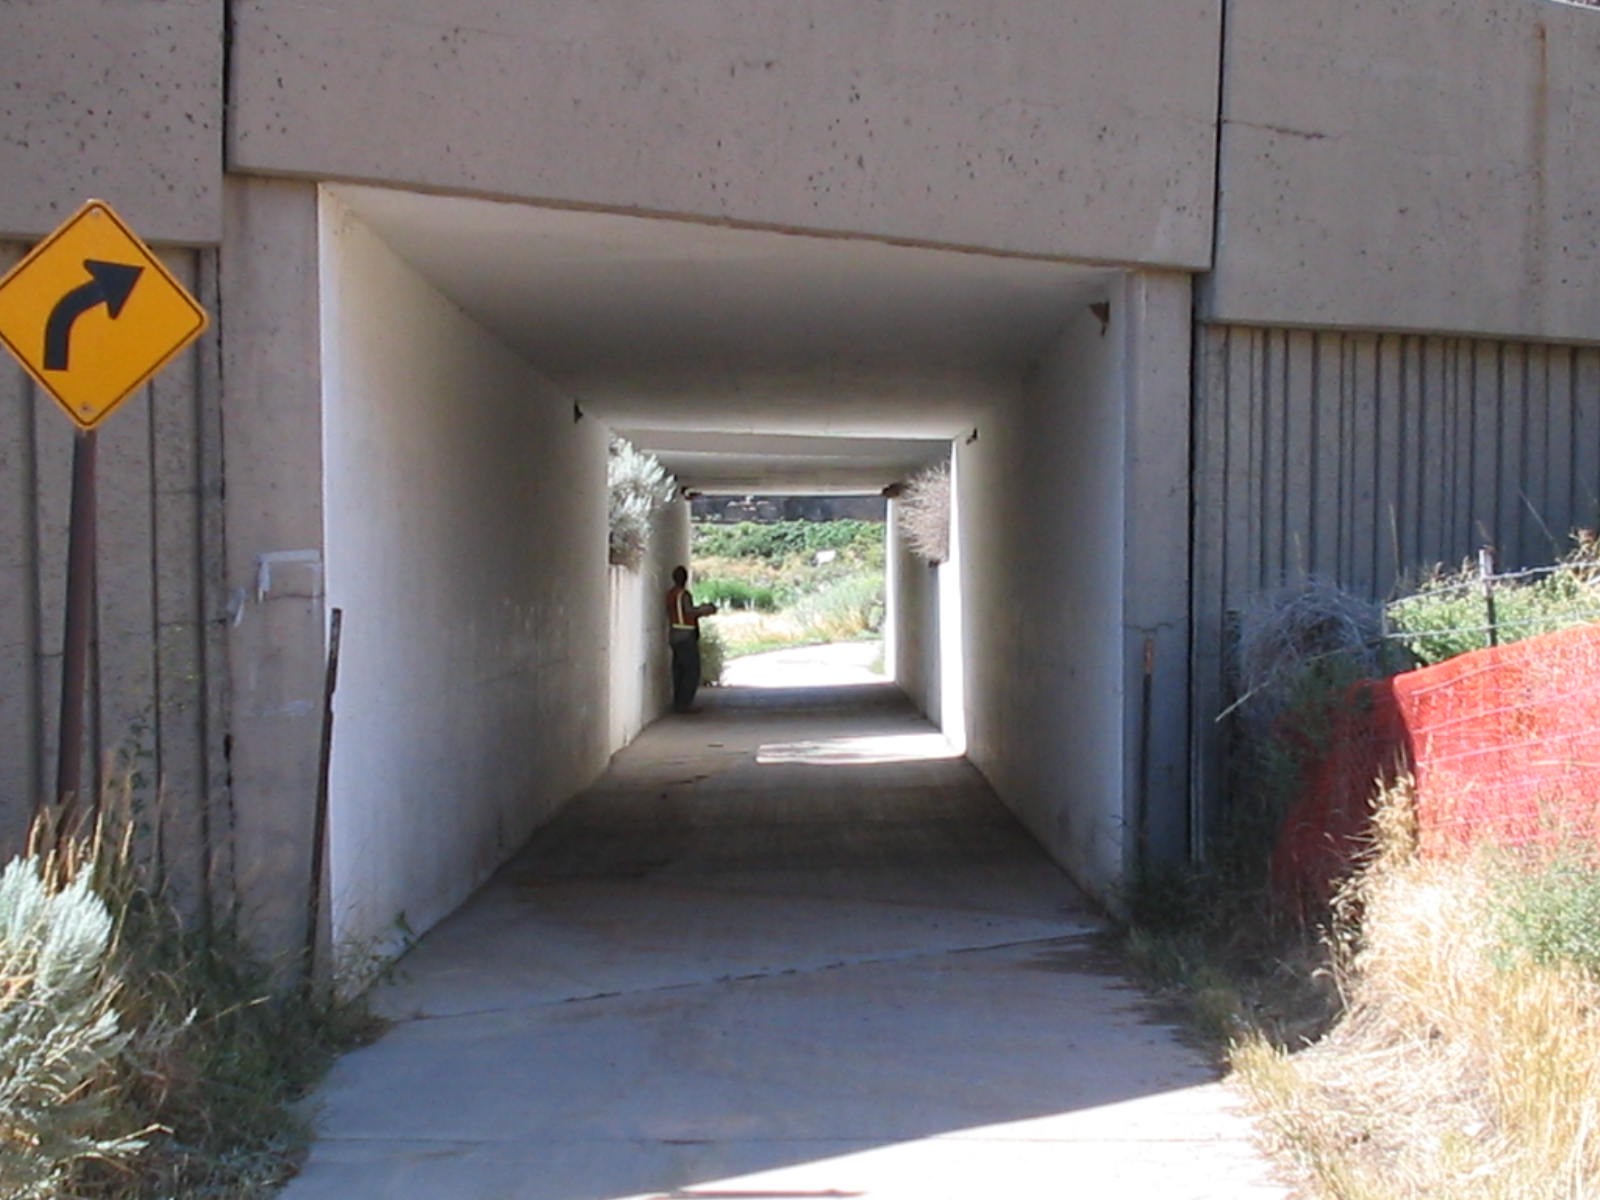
x,y
187,1053
1548,907
1467,1062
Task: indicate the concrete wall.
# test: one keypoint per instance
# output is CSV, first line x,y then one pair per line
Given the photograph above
x,y
467,546
913,598
1073,510
1151,323
1081,129
1423,166
272,505
640,667
117,101
1041,517
1354,458
155,707
950,582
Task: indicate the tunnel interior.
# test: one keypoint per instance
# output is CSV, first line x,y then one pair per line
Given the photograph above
x,y
476,358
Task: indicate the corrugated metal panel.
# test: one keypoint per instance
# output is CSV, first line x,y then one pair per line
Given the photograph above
x,y
157,671
1356,458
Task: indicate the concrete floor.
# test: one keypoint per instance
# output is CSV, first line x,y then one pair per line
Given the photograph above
x,y
833,664
787,946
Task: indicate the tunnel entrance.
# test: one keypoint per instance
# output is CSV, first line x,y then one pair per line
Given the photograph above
x,y
478,356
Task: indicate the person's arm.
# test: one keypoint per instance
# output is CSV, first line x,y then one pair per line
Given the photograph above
x,y
699,610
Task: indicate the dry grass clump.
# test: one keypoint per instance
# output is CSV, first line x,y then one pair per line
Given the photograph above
x,y
1464,1068
1298,638
925,513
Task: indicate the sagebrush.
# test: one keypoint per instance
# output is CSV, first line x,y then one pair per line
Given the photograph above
x,y
60,1033
186,1052
637,487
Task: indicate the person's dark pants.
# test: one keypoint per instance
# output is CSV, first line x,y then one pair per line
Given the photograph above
x,y
685,668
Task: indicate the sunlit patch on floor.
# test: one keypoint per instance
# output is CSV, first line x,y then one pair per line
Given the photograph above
x,y
859,751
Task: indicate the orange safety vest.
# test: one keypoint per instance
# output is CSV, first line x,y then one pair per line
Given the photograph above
x,y
679,611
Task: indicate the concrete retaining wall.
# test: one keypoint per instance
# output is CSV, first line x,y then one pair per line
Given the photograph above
x,y
117,101
1424,166
272,507
1355,458
1074,523
156,706
914,592
640,665
1080,129
1041,517
467,546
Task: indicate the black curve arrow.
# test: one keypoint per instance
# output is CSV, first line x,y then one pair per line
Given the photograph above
x,y
111,284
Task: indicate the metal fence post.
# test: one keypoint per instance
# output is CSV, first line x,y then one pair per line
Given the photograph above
x,y
1486,574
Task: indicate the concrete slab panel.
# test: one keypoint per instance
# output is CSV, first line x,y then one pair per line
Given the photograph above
x,y
914,1012
1422,166
116,101
1153,313
274,649
466,545
1026,127
1046,634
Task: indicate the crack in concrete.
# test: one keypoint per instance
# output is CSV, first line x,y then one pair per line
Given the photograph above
x,y
1310,135
677,889
909,956
958,1136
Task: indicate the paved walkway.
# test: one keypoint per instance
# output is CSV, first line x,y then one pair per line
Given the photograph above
x,y
828,665
787,947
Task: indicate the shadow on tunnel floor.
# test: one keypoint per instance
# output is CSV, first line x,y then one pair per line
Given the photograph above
x,y
726,971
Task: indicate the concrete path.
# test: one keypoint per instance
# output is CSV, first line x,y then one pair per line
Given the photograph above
x,y
788,946
832,664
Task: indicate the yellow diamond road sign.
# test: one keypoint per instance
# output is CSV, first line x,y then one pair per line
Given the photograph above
x,y
93,315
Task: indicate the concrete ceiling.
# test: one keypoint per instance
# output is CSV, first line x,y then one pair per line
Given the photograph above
x,y
741,463
668,328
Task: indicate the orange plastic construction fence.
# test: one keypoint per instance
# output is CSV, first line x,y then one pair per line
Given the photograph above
x,y
1502,745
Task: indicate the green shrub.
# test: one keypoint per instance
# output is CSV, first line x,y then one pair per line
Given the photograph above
x,y
1448,614
712,655
780,540
219,1050
736,593
1549,910
844,609
59,1032
143,1057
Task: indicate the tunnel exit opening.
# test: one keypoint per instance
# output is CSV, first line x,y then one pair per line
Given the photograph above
x,y
477,358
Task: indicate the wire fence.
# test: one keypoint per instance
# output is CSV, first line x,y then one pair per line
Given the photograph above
x,y
1445,615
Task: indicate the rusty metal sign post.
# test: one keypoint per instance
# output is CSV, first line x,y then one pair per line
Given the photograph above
x,y
81,546
92,314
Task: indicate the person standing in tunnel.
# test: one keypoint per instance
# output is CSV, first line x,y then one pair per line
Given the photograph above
x,y
683,636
